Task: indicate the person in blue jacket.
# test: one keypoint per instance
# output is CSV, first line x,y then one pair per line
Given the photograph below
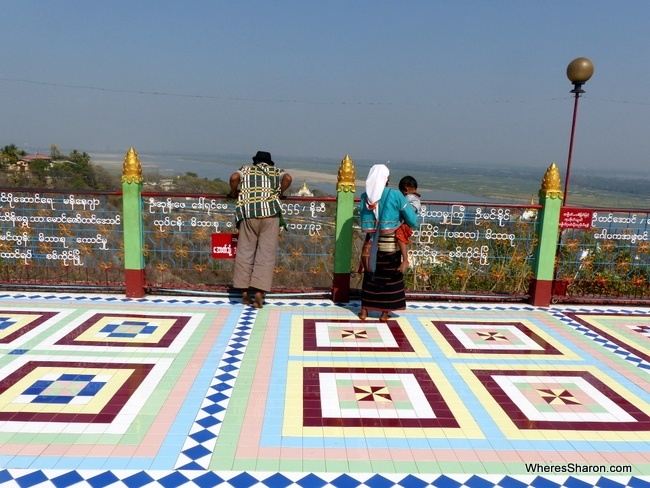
x,y
382,210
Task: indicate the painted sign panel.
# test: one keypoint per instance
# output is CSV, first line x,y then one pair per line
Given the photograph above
x,y
224,246
575,218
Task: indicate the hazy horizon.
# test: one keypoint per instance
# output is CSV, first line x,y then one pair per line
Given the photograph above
x,y
238,159
321,174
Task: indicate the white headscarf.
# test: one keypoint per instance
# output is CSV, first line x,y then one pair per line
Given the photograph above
x,y
375,184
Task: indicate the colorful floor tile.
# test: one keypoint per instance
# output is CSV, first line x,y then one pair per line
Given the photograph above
x,y
101,390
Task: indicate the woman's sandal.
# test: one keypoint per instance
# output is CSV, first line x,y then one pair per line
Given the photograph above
x,y
384,317
246,298
363,315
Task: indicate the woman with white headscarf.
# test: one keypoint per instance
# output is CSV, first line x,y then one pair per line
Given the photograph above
x,y
382,211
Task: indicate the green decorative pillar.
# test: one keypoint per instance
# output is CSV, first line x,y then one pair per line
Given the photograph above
x,y
133,231
344,219
548,229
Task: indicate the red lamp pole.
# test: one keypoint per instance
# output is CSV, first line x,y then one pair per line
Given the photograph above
x,y
579,71
568,163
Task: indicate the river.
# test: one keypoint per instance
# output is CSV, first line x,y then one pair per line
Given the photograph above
x,y
318,174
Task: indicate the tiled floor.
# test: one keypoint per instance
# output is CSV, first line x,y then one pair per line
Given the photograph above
x,y
99,389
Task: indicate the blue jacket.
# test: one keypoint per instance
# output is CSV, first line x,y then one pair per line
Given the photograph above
x,y
393,209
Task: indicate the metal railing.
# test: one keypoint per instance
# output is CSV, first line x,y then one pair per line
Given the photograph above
x,y
472,250
61,238
178,243
608,261
460,250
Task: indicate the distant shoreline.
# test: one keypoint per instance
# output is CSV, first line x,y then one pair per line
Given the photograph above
x,y
455,183
316,180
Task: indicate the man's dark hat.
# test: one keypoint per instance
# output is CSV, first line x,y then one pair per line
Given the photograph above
x,y
263,157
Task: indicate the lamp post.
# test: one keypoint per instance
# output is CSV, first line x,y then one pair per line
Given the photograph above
x,y
579,71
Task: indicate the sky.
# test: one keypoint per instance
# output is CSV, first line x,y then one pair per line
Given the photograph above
x,y
456,81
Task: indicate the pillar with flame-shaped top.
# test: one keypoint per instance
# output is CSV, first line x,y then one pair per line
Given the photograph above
x,y
344,218
548,228
133,227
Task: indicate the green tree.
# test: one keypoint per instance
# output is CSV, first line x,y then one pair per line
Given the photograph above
x,y
191,183
72,172
39,170
11,154
83,169
55,153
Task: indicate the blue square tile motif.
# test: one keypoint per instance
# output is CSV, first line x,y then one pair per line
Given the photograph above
x,y
6,322
64,389
129,329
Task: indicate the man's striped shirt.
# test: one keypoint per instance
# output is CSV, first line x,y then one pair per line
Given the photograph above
x,y
259,191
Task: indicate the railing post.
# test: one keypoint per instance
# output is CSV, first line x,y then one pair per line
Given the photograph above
x,y
133,225
548,228
343,241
